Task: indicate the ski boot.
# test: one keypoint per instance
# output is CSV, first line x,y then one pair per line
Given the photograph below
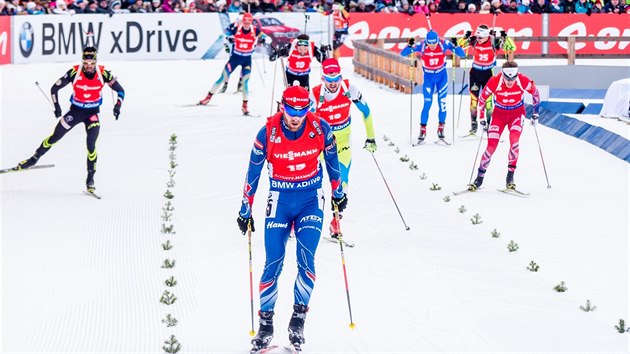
x,y
244,108
509,181
30,162
206,99
239,87
89,181
473,127
335,230
476,184
265,331
423,134
224,87
296,326
440,131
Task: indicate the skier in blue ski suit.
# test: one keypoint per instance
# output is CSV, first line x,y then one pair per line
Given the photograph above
x,y
433,53
291,143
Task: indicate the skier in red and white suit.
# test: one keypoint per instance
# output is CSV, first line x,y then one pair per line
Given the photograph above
x,y
507,89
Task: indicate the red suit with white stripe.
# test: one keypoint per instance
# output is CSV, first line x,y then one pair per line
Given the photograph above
x,y
509,112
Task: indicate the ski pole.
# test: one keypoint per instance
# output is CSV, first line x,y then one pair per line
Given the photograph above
x,y
412,63
251,282
476,156
390,192
343,264
453,113
273,86
541,157
42,91
461,94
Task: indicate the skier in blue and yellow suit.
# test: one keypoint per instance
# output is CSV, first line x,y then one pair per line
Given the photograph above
x,y
291,143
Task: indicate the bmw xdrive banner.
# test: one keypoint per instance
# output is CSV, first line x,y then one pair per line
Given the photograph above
x,y
120,37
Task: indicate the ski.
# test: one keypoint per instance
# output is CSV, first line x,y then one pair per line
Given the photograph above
x,y
469,135
466,191
92,194
276,349
334,240
197,105
443,142
15,169
514,192
418,143
250,114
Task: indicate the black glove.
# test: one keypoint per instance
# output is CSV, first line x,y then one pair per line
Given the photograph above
x,y
284,51
57,110
411,41
341,203
117,109
243,222
273,56
484,125
454,41
503,34
534,118
227,48
468,34
472,40
230,39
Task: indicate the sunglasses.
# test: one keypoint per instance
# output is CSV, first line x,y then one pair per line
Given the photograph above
x,y
507,78
89,62
332,78
302,43
295,112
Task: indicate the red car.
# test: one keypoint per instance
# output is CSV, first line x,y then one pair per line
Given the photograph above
x,y
276,30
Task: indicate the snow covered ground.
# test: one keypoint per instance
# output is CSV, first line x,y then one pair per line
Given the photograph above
x,y
81,275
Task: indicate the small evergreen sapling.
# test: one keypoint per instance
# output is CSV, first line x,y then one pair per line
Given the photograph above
x,y
397,150
447,198
462,209
171,173
168,194
170,282
168,229
173,164
476,219
404,158
172,345
170,183
391,143
621,328
435,187
168,206
423,176
512,246
533,267
495,233
560,287
169,321
588,307
168,264
167,246
413,166
168,298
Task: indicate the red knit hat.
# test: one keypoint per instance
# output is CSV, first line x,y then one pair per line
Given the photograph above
x,y
331,66
296,97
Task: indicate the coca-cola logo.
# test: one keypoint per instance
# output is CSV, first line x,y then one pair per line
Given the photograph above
x,y
362,30
580,29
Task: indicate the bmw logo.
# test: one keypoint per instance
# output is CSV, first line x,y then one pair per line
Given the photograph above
x,y
26,39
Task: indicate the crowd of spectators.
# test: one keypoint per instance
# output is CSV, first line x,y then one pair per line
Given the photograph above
x,y
411,7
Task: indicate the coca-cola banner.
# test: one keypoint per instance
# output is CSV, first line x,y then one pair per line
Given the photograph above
x,y
601,25
377,25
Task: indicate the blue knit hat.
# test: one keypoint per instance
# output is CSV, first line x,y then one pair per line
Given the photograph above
x,y
432,37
